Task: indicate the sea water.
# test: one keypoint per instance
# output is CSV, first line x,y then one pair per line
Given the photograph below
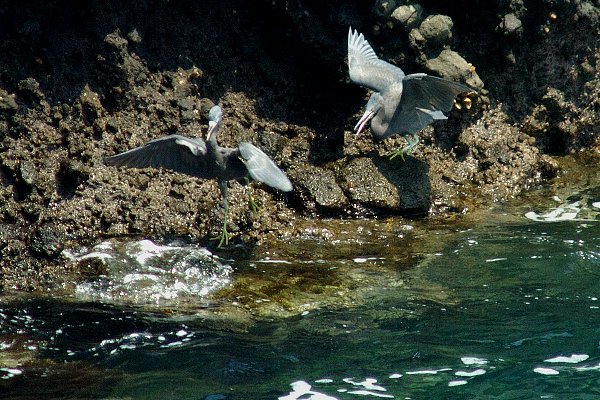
x,y
506,309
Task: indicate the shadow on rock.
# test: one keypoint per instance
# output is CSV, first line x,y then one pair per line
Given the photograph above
x,y
391,186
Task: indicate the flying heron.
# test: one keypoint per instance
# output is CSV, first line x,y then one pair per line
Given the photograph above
x,y
207,160
400,104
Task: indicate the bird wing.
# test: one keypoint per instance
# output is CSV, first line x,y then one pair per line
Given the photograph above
x,y
175,152
424,99
261,168
366,69
431,92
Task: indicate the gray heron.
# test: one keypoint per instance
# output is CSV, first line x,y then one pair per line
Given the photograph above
x,y
207,160
400,104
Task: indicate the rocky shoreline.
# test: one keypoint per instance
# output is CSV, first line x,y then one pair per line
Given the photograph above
x,y
78,84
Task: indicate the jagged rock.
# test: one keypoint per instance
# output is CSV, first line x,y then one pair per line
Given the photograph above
x,y
408,16
511,25
437,30
8,104
319,185
385,7
284,91
394,187
450,65
47,241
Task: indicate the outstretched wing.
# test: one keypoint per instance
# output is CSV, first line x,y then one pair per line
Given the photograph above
x,y
261,168
175,152
431,92
424,99
366,69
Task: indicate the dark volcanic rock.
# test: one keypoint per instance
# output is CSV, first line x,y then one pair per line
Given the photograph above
x,y
391,186
47,241
318,186
82,81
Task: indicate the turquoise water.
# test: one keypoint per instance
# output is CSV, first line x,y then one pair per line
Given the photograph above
x,y
501,310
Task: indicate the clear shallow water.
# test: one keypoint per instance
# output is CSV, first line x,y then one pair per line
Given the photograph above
x,y
506,310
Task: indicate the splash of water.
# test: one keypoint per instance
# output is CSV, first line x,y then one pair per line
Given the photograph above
x,y
143,272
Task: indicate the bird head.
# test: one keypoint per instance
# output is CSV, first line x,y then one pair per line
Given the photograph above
x,y
373,106
215,115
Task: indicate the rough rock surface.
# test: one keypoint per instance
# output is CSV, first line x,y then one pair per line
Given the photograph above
x,y
79,82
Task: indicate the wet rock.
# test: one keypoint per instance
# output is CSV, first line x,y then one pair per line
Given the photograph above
x,y
499,157
267,83
318,185
392,186
434,34
450,65
115,40
554,101
408,16
123,69
550,122
587,10
47,241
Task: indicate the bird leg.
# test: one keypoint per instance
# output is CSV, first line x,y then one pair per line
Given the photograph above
x,y
223,237
412,140
254,209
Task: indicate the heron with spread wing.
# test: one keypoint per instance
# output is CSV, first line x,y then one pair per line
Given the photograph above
x,y
400,104
206,160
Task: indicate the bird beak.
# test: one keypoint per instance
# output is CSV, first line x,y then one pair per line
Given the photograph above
x,y
362,122
211,129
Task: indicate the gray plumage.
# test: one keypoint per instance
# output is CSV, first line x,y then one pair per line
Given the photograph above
x,y
206,160
401,104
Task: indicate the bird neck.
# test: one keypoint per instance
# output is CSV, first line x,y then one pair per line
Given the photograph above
x,y
378,125
212,142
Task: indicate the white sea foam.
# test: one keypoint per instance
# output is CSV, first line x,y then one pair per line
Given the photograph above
x,y
457,383
273,261
368,383
370,393
101,251
12,371
148,273
572,359
473,361
565,212
302,388
588,368
475,372
545,371
428,371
